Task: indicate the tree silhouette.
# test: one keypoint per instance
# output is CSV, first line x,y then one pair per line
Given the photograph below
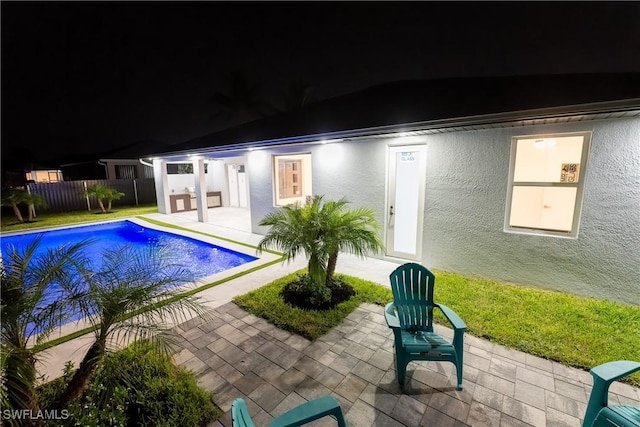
x,y
240,102
297,95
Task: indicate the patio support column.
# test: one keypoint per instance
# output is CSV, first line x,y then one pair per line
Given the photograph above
x,y
162,186
201,190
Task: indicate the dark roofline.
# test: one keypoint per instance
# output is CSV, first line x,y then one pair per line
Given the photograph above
x,y
591,111
436,102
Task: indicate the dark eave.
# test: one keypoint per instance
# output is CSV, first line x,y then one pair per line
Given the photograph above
x,y
429,106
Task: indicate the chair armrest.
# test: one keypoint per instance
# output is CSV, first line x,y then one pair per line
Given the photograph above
x,y
455,320
603,375
390,316
611,371
310,411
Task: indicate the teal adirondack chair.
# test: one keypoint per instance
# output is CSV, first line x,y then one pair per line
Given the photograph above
x,y
300,415
410,316
599,413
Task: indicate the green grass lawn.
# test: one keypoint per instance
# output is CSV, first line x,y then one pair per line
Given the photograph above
x,y
575,331
10,223
266,302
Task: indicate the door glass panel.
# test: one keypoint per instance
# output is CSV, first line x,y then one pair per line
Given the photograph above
x,y
406,202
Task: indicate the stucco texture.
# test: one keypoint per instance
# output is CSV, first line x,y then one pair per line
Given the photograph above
x,y
465,198
467,177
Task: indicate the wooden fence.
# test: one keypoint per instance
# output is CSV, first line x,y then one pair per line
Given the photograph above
x,y
68,196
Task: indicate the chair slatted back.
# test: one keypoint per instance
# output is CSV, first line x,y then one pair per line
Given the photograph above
x,y
412,286
240,414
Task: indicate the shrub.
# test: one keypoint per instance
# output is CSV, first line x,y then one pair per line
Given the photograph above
x,y
139,386
300,294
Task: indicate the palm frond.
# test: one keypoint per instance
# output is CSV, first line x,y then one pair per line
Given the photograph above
x,y
35,288
321,229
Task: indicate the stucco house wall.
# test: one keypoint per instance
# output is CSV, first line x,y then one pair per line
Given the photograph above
x,y
466,192
467,178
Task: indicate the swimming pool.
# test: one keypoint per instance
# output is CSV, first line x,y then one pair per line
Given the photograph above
x,y
200,258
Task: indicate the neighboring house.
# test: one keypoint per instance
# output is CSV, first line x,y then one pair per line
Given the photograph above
x,y
533,179
120,163
43,175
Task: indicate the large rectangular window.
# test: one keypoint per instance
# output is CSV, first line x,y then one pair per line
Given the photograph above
x,y
292,178
546,183
183,168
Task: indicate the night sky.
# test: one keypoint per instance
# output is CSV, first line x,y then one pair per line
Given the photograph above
x,y
83,77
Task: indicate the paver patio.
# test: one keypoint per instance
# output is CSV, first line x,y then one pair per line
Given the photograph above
x,y
240,355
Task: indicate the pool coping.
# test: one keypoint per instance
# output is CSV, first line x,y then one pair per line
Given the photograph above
x,y
266,258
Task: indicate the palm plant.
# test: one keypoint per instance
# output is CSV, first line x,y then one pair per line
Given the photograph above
x,y
355,231
33,200
103,194
321,230
15,198
134,295
35,290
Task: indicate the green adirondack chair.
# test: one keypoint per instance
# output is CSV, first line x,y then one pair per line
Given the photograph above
x,y
300,415
599,413
410,316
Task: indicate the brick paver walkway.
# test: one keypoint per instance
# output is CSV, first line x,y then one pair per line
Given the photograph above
x,y
240,355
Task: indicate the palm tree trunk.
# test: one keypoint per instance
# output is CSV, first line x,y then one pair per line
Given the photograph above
x,y
316,271
109,206
32,212
80,380
331,267
18,214
101,205
20,377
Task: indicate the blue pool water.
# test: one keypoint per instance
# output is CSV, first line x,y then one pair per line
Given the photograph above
x,y
201,259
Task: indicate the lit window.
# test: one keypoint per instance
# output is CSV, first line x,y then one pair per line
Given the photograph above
x,y
546,181
292,177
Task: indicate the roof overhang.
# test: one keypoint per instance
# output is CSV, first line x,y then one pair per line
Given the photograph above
x,y
583,112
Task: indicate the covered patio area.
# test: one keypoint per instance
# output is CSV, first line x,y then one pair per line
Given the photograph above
x,y
226,218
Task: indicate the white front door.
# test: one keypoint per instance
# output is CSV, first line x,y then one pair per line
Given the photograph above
x,y
405,201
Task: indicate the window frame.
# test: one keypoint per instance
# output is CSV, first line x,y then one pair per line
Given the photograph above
x,y
305,177
183,168
580,185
